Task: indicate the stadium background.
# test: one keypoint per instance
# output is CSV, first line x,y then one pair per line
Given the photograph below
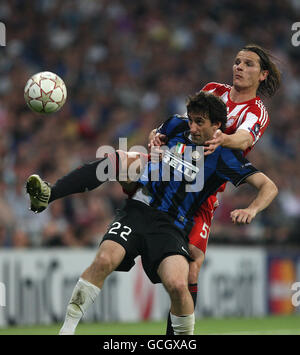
x,y
127,66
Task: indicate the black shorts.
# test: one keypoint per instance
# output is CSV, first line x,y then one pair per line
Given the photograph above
x,y
144,231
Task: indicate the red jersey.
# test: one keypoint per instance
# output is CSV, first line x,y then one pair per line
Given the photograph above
x,y
250,115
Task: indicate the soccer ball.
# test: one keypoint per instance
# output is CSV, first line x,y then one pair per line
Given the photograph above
x,y
45,92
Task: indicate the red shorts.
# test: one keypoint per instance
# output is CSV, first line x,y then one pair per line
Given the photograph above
x,y
203,218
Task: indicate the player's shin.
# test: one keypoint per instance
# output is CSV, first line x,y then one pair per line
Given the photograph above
x,y
193,288
183,325
84,294
86,177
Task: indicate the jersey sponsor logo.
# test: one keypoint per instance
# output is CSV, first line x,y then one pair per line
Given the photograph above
x,y
184,167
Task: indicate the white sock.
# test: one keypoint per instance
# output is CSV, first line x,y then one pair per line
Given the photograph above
x,y
84,294
183,325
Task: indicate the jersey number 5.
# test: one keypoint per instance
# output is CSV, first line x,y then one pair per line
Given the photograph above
x,y
205,231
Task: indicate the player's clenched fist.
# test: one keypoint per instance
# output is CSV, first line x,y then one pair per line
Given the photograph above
x,y
242,216
154,145
157,140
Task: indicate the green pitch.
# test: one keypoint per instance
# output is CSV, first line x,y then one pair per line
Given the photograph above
x,y
279,325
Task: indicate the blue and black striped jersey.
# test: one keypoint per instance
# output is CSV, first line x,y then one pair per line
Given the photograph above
x,y
184,178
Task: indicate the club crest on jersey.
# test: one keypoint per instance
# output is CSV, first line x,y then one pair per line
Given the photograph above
x,y
180,147
195,155
230,121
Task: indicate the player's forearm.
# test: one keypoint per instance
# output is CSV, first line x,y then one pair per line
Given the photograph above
x,y
240,140
266,194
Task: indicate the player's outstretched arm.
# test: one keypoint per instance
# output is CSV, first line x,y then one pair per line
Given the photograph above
x,y
267,191
241,140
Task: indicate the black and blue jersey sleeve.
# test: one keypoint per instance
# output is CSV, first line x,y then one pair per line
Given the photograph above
x,y
234,167
173,126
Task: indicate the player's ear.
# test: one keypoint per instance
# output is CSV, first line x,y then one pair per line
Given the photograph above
x,y
217,125
263,75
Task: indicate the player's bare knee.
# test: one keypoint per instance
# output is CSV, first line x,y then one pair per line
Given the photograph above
x,y
177,288
103,263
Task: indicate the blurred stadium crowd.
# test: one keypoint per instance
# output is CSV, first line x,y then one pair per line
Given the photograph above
x,y
127,67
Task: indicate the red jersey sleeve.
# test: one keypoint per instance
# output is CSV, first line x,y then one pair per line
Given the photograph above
x,y
216,88
211,86
255,121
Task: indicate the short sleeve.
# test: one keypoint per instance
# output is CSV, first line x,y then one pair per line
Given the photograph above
x,y
234,167
256,121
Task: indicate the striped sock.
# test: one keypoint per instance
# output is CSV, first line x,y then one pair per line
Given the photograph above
x,y
193,288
